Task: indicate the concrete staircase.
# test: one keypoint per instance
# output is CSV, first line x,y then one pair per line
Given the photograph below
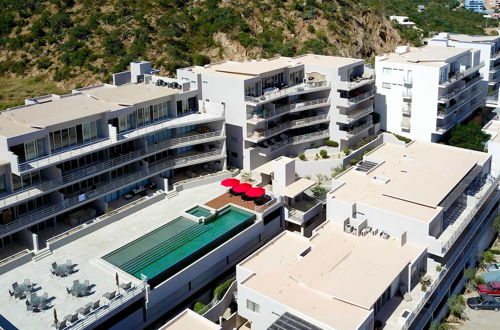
x,y
42,254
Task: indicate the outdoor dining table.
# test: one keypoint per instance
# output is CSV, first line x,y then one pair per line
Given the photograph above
x,y
36,300
63,268
21,288
79,289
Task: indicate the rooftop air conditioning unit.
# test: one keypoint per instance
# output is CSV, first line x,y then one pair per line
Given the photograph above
x,y
374,232
348,228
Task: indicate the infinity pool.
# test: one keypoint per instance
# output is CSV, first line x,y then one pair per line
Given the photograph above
x,y
168,249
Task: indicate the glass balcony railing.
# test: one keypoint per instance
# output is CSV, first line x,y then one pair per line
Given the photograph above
x,y
304,87
52,210
48,185
298,106
460,75
258,135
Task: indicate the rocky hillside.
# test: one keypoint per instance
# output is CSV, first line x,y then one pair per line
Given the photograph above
x,y
75,43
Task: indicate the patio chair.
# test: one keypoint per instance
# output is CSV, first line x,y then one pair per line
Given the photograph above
x,y
72,318
33,296
15,285
76,283
96,305
52,271
60,325
54,265
69,291
84,310
126,286
45,296
86,283
29,307
27,283
69,263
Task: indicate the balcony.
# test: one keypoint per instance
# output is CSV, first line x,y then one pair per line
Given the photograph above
x,y
441,129
50,185
357,82
271,148
52,210
406,110
406,124
346,134
255,118
303,210
455,92
357,99
441,114
257,136
297,89
408,81
407,96
460,75
350,116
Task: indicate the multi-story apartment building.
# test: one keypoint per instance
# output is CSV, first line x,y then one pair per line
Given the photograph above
x,y
283,105
423,92
476,5
67,158
489,47
402,225
491,4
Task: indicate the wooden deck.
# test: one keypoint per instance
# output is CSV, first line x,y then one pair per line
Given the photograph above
x,y
227,198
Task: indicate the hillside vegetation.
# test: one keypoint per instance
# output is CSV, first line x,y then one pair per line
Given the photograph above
x,y
75,43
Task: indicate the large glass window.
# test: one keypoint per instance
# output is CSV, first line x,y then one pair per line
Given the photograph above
x,y
2,183
73,135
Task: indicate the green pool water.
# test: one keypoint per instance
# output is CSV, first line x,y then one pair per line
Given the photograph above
x,y
199,211
179,242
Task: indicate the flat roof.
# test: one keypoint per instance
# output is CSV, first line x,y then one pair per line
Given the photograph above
x,y
493,128
337,281
130,94
297,187
254,68
10,128
426,55
189,320
57,111
472,38
411,180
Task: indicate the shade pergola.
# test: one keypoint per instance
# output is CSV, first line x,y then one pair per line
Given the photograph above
x,y
231,182
241,188
255,192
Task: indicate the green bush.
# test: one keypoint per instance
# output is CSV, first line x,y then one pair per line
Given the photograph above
x,y
346,151
456,304
310,28
353,161
198,306
363,141
323,153
302,156
402,138
494,251
331,143
220,291
44,63
314,145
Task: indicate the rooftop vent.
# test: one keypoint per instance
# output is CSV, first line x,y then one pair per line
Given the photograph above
x,y
365,165
381,179
402,49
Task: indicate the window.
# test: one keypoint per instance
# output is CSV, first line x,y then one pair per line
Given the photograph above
x,y
386,71
234,139
234,154
253,306
386,85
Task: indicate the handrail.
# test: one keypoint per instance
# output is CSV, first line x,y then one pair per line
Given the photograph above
x,y
291,124
261,208
57,183
88,321
465,223
461,74
360,81
287,108
359,128
459,90
319,134
153,169
454,107
285,91
361,97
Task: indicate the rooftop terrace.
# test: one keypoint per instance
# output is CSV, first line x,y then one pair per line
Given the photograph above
x,y
86,252
427,55
328,284
411,180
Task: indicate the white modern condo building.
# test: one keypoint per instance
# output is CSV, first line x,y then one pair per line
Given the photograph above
x,y
490,55
68,158
402,225
423,92
283,105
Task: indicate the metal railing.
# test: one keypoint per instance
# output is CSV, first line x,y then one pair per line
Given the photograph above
x,y
405,124
461,74
451,261
263,207
360,81
453,108
406,111
311,136
304,87
359,113
361,97
266,114
60,182
88,322
457,91
470,216
358,129
291,124
154,168
65,154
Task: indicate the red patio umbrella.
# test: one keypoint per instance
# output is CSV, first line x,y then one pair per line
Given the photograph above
x,y
255,192
230,182
242,187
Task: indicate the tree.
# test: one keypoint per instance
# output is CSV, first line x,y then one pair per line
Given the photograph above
x,y
323,153
469,136
496,224
456,304
486,257
439,326
469,274
319,191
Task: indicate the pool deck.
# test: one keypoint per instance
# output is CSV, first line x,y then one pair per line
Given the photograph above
x,y
86,253
227,198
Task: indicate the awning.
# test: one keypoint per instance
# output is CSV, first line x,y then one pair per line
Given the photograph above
x,y
297,187
460,187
